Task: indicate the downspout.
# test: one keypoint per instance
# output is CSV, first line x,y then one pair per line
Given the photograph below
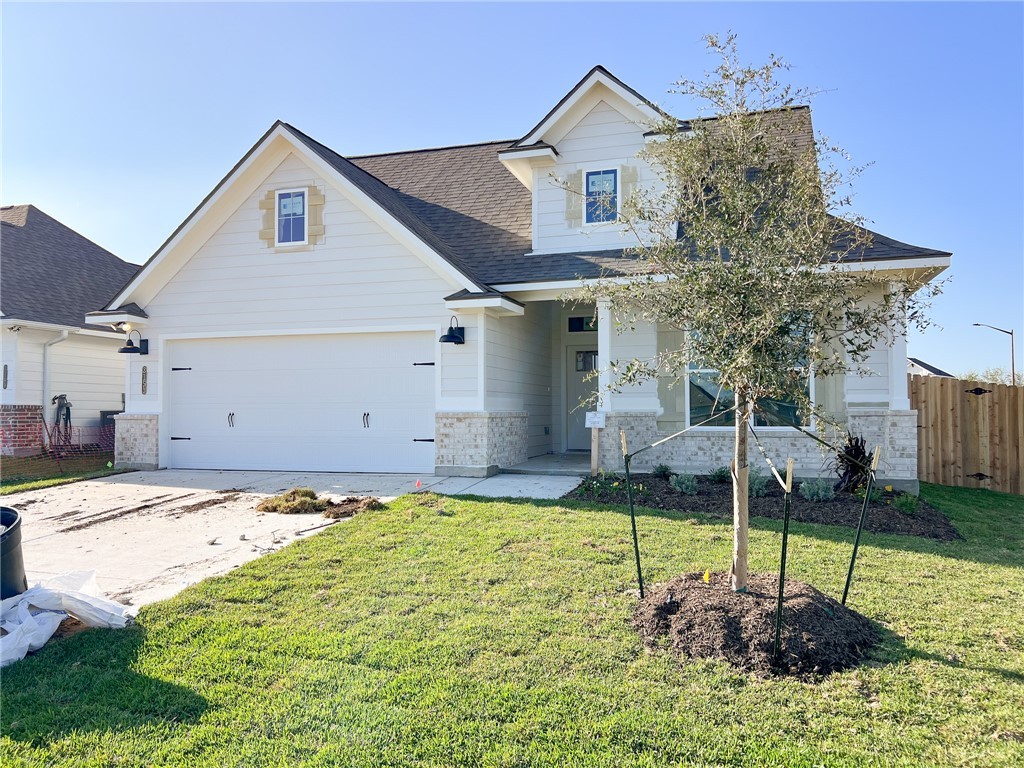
x,y
62,336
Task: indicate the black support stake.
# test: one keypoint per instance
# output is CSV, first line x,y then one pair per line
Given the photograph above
x,y
782,564
863,520
632,514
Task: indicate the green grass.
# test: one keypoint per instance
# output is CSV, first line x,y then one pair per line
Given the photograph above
x,y
442,632
33,472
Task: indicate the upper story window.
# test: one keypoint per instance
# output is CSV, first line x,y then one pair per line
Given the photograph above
x,y
290,216
602,196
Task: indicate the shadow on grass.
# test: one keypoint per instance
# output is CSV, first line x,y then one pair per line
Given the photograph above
x,y
992,524
86,683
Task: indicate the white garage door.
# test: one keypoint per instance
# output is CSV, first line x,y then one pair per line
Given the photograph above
x,y
344,403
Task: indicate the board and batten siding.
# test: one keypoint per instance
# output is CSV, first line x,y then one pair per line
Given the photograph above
x,y
519,376
604,138
359,276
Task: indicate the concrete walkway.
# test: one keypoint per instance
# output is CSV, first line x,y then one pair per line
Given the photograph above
x,y
148,535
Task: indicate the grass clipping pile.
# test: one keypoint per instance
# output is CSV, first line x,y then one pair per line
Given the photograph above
x,y
707,620
304,501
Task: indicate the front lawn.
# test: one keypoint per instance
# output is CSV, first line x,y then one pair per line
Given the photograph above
x,y
442,632
31,472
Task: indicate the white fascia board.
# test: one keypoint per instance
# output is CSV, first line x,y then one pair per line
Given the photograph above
x,y
114,318
935,264
72,330
495,303
528,153
597,78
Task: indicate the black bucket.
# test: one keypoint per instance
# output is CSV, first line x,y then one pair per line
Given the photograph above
x,y
12,565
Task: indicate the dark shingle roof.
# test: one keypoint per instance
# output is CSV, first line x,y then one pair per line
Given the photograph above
x,y
50,273
467,197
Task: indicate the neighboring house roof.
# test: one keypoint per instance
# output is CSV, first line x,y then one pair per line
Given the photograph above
x,y
50,273
930,368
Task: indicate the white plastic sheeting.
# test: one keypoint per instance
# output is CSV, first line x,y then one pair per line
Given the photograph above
x,y
31,618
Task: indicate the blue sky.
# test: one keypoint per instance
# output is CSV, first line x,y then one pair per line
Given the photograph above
x,y
119,118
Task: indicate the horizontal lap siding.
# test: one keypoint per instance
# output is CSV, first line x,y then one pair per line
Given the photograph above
x,y
358,276
519,371
91,372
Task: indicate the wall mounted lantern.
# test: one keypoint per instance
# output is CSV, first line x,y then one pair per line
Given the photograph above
x,y
456,333
130,349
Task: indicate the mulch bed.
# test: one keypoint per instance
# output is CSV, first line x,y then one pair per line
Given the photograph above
x,y
707,620
715,499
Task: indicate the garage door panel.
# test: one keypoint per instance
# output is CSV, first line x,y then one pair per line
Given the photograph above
x,y
298,403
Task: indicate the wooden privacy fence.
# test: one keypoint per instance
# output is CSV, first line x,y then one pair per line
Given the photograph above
x,y
969,433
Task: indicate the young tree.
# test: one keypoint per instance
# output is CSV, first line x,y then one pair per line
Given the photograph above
x,y
748,247
997,375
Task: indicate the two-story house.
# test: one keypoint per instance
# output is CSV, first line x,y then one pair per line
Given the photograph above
x,y
402,313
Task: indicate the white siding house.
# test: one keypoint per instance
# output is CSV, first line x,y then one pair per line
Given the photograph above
x,y
51,277
295,319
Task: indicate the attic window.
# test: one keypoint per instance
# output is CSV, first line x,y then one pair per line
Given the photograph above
x,y
290,217
602,193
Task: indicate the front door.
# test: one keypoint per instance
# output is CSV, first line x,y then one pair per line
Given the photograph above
x,y
580,387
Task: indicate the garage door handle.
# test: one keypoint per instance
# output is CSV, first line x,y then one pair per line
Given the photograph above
x,y
231,419
366,420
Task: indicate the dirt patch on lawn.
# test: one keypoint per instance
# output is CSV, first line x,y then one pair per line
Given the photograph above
x,y
715,499
352,505
707,620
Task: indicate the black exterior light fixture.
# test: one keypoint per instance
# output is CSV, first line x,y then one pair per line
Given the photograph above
x,y
130,349
456,333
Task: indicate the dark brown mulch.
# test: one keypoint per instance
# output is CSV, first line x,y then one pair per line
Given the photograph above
x,y
710,621
715,499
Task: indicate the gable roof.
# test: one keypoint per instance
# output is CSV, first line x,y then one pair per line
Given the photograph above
x,y
596,75
51,274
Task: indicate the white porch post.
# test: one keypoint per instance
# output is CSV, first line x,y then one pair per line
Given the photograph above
x,y
899,399
604,349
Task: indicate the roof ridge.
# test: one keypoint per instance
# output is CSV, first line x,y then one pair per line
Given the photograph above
x,y
431,149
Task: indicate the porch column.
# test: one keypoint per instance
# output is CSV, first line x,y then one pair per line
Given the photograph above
x,y
899,399
604,349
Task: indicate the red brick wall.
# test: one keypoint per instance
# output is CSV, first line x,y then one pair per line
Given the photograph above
x,y
21,430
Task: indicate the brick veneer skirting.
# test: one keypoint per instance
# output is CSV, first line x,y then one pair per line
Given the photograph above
x,y
701,451
477,444
21,430
136,441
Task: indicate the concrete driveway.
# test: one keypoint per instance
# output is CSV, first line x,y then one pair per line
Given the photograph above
x,y
148,535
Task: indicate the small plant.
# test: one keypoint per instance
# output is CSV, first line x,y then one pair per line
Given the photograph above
x,y
876,494
818,489
721,475
664,471
852,464
757,484
906,503
297,501
684,484
606,483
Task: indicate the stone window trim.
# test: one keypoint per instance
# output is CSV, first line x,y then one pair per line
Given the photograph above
x,y
315,201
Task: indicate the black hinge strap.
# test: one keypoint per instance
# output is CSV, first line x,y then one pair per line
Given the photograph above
x,y
181,369
422,363
181,438
423,439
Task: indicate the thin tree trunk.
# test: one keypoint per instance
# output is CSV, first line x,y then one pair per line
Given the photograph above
x,y
740,470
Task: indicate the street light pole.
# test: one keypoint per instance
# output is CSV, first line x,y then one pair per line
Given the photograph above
x,y
1013,366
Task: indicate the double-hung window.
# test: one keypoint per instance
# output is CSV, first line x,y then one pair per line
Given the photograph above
x,y
709,404
602,196
290,217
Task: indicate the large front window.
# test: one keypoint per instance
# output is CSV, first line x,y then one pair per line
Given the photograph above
x,y
602,191
291,217
698,398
